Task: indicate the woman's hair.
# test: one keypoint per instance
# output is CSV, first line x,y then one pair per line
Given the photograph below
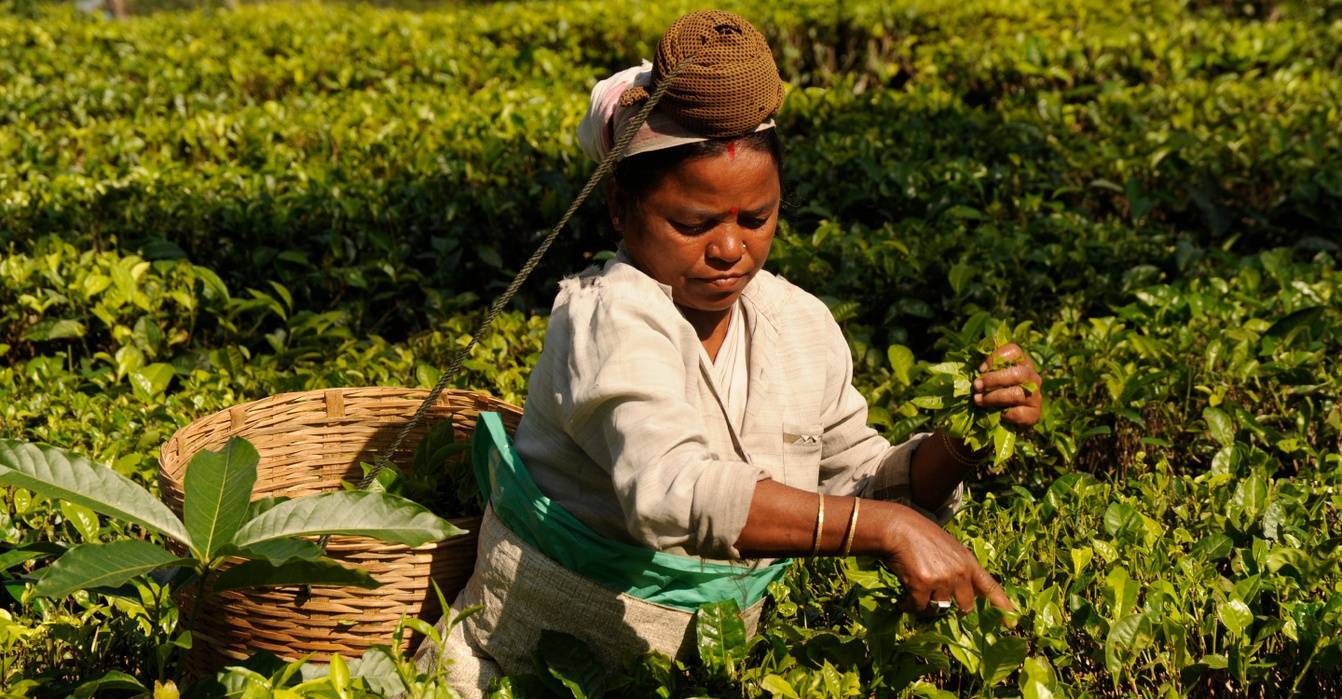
x,y
638,174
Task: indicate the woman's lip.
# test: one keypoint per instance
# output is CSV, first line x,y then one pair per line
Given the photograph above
x,y
726,282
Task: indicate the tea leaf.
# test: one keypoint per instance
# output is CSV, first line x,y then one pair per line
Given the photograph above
x,y
721,635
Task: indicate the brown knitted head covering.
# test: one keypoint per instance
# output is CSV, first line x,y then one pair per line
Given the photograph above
x,y
729,88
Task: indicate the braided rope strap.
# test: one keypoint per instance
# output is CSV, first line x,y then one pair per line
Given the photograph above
x,y
454,367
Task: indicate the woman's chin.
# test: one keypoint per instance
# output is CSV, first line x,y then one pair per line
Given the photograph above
x,y
708,302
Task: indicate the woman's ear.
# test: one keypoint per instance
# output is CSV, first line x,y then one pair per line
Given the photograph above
x,y
617,204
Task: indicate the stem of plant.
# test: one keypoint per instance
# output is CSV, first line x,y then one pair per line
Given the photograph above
x,y
200,595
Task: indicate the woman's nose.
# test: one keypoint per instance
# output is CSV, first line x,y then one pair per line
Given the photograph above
x,y
728,245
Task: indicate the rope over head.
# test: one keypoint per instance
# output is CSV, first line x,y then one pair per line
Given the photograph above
x,y
729,88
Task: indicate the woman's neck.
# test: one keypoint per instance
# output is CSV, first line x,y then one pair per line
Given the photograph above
x,y
710,326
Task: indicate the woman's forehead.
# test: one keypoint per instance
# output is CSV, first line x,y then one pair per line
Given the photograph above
x,y
746,180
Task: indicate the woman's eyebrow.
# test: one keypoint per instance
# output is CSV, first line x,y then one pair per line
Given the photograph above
x,y
691,214
759,212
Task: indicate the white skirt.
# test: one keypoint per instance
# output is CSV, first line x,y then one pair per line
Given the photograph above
x,y
521,592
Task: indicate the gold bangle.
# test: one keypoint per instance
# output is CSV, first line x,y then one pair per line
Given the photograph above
x,y
852,529
819,526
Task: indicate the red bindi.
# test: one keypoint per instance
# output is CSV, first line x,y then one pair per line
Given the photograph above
x,y
731,151
734,211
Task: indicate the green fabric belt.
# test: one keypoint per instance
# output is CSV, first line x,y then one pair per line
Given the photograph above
x,y
655,576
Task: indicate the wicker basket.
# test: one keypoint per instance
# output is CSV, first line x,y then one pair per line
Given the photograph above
x,y
308,443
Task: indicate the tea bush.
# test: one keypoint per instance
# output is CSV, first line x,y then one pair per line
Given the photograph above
x,y
291,154
203,208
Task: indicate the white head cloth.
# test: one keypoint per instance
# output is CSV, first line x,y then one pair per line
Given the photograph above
x,y
606,119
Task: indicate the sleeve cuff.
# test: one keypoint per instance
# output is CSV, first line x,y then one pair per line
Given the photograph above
x,y
892,482
720,508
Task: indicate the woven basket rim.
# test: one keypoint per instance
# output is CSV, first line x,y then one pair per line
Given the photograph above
x,y
165,476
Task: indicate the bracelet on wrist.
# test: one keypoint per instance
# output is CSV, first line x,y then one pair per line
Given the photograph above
x,y
974,460
852,529
819,525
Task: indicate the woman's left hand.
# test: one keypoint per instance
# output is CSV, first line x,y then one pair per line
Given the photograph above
x,y
1016,388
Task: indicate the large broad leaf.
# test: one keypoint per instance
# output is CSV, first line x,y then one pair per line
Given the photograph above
x,y
57,473
276,551
720,634
10,557
321,572
354,513
103,565
218,491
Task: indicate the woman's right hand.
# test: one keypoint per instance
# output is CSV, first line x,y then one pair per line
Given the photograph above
x,y
934,566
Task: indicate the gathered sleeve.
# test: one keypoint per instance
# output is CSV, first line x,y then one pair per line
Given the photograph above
x,y
855,458
627,410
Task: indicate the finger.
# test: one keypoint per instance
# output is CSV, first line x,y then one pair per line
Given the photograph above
x,y
1022,415
964,596
919,597
988,587
1011,376
1009,353
936,599
1002,398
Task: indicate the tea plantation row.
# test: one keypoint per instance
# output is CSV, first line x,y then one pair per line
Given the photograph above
x,y
379,158
199,210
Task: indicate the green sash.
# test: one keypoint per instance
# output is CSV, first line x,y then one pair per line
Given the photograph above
x,y
662,578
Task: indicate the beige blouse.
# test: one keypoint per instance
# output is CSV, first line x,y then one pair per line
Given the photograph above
x,y
624,426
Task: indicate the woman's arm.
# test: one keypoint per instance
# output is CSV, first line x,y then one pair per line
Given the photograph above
x,y
942,462
929,561
935,471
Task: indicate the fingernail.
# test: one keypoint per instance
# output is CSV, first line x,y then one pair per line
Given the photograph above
x,y
978,384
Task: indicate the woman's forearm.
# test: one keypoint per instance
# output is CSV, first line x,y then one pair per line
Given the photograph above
x,y
935,473
782,522
931,563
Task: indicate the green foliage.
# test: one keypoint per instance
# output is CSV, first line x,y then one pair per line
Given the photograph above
x,y
199,209
720,635
218,490
440,476
950,384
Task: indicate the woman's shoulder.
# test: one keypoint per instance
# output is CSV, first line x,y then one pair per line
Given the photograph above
x,y
617,301
615,282
785,304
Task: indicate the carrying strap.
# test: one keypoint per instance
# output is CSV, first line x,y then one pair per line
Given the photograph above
x,y
454,367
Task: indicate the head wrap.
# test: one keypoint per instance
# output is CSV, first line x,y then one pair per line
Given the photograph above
x,y
731,88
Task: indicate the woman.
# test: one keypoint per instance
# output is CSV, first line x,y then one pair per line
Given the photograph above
x,y
692,416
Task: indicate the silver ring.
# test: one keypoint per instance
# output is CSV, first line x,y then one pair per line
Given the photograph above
x,y
942,604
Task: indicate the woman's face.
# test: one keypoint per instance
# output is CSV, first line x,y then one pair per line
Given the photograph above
x,y
706,228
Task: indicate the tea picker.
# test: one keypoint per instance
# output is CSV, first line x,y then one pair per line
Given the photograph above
x,y
310,442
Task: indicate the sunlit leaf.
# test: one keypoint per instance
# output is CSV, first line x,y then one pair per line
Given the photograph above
x,y
57,473
218,487
353,513
321,572
103,565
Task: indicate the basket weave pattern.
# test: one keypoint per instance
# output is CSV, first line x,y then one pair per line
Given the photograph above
x,y
308,443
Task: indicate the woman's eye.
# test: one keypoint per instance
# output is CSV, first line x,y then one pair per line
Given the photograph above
x,y
693,228
754,222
